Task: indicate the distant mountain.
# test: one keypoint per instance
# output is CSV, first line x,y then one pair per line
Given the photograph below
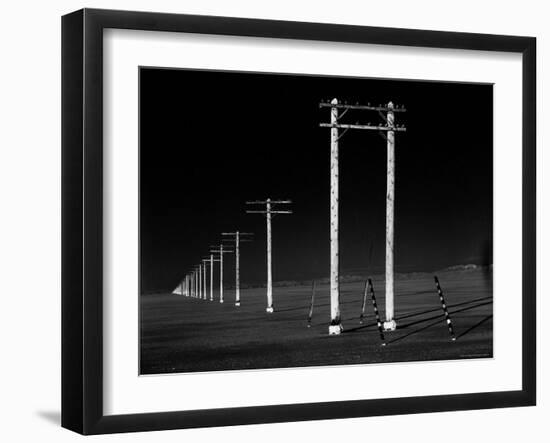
x,y
468,267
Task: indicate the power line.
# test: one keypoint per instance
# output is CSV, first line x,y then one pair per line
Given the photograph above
x,y
220,250
238,237
269,212
388,129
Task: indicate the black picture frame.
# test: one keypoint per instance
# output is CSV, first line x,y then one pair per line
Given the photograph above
x,y
82,218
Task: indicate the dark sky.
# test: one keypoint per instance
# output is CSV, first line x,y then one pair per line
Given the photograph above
x,y
211,140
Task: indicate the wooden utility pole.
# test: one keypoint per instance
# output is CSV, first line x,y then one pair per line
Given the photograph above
x,y
238,237
200,281
204,267
211,259
269,212
220,250
335,326
197,283
387,127
390,324
211,277
204,281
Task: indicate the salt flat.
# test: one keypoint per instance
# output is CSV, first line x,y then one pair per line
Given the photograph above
x,y
184,334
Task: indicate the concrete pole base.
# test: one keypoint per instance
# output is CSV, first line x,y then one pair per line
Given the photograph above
x,y
390,325
269,310
335,329
221,301
237,303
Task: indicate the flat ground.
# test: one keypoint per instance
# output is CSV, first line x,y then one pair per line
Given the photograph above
x,y
184,334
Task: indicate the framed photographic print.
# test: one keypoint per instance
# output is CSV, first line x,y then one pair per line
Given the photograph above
x,y
269,221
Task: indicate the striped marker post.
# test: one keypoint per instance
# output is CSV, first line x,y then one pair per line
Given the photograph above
x,y
362,316
310,314
376,313
445,311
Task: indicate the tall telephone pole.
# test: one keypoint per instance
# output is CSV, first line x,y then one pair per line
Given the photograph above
x,y
387,129
211,259
204,268
238,237
269,212
335,326
220,250
200,280
194,279
390,324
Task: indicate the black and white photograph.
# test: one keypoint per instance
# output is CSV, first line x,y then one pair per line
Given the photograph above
x,y
275,221
290,220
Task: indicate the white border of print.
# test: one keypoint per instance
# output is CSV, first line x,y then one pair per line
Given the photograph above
x,y
125,392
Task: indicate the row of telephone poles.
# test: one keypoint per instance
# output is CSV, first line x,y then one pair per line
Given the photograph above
x,y
194,283
387,128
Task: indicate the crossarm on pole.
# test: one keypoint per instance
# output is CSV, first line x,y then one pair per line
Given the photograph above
x,y
364,127
363,107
